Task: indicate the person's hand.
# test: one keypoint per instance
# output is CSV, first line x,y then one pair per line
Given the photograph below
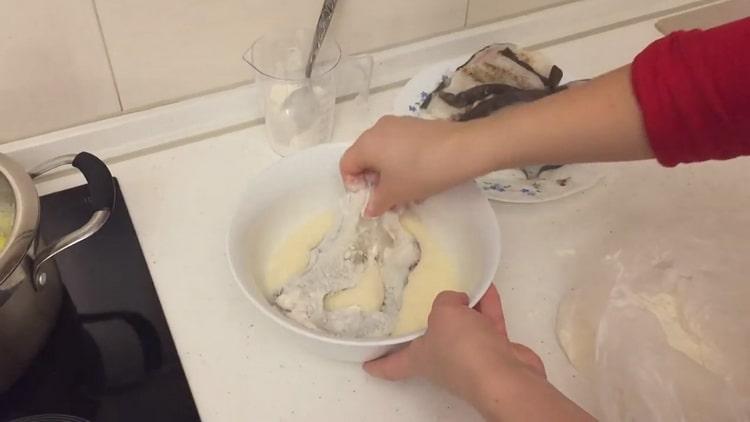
x,y
410,159
467,351
460,345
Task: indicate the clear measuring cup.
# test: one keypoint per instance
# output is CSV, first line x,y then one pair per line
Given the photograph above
x,y
279,61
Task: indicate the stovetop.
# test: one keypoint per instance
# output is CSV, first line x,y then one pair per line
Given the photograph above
x,y
110,356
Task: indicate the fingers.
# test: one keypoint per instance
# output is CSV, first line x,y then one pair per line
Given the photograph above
x,y
450,298
491,306
444,302
393,367
379,202
362,155
356,172
529,357
353,164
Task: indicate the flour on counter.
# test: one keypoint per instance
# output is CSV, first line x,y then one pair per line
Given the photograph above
x,y
358,262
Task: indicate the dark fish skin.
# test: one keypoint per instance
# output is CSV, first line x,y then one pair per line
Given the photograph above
x,y
495,102
474,94
533,173
439,88
551,81
484,99
472,57
492,97
444,82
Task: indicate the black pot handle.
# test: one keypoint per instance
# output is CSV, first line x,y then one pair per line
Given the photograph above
x,y
102,192
99,179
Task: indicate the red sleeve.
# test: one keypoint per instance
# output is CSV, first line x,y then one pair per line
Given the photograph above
x,y
694,92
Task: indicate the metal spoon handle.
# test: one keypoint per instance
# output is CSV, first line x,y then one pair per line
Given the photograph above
x,y
324,21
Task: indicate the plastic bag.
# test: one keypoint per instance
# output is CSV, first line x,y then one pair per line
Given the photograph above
x,y
663,329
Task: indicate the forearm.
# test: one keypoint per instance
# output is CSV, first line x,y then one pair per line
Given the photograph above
x,y
525,397
592,122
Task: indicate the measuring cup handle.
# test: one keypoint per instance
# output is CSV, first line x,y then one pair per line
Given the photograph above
x,y
363,63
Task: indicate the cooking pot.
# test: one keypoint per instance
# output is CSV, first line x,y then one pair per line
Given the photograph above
x,y
30,289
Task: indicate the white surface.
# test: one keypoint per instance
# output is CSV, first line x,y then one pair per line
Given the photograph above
x,y
308,183
240,368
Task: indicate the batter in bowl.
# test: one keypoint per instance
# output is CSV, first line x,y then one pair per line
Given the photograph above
x,y
357,277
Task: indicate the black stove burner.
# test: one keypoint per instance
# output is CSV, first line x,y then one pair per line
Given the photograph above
x,y
110,356
50,417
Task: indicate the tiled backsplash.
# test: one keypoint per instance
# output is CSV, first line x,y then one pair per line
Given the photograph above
x,y
166,49
53,67
64,63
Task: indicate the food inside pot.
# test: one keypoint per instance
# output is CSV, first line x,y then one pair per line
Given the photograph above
x,y
7,214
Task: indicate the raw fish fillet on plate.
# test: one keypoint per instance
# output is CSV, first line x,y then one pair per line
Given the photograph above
x,y
497,76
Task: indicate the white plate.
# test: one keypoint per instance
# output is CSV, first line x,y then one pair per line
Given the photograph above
x,y
512,185
503,185
411,95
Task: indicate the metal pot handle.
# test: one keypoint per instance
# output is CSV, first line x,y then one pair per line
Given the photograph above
x,y
102,193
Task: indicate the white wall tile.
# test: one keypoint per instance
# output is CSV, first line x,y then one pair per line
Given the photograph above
x,y
53,67
482,11
168,49
369,25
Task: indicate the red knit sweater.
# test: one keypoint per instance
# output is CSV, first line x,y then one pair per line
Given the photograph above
x,y
694,91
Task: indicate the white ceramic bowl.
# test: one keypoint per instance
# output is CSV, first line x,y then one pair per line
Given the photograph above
x,y
308,183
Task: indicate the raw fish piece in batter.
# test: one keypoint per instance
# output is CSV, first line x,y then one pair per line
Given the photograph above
x,y
345,262
294,252
368,294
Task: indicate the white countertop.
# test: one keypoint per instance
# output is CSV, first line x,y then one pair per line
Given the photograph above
x,y
240,368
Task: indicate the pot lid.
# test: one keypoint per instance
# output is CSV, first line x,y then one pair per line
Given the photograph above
x,y
19,215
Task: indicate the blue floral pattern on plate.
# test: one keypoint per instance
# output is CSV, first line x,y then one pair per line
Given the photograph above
x,y
414,107
512,185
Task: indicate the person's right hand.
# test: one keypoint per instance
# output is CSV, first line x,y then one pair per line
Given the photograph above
x,y
461,347
410,158
467,351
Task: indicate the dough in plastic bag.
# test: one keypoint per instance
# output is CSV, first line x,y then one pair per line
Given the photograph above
x,y
663,326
